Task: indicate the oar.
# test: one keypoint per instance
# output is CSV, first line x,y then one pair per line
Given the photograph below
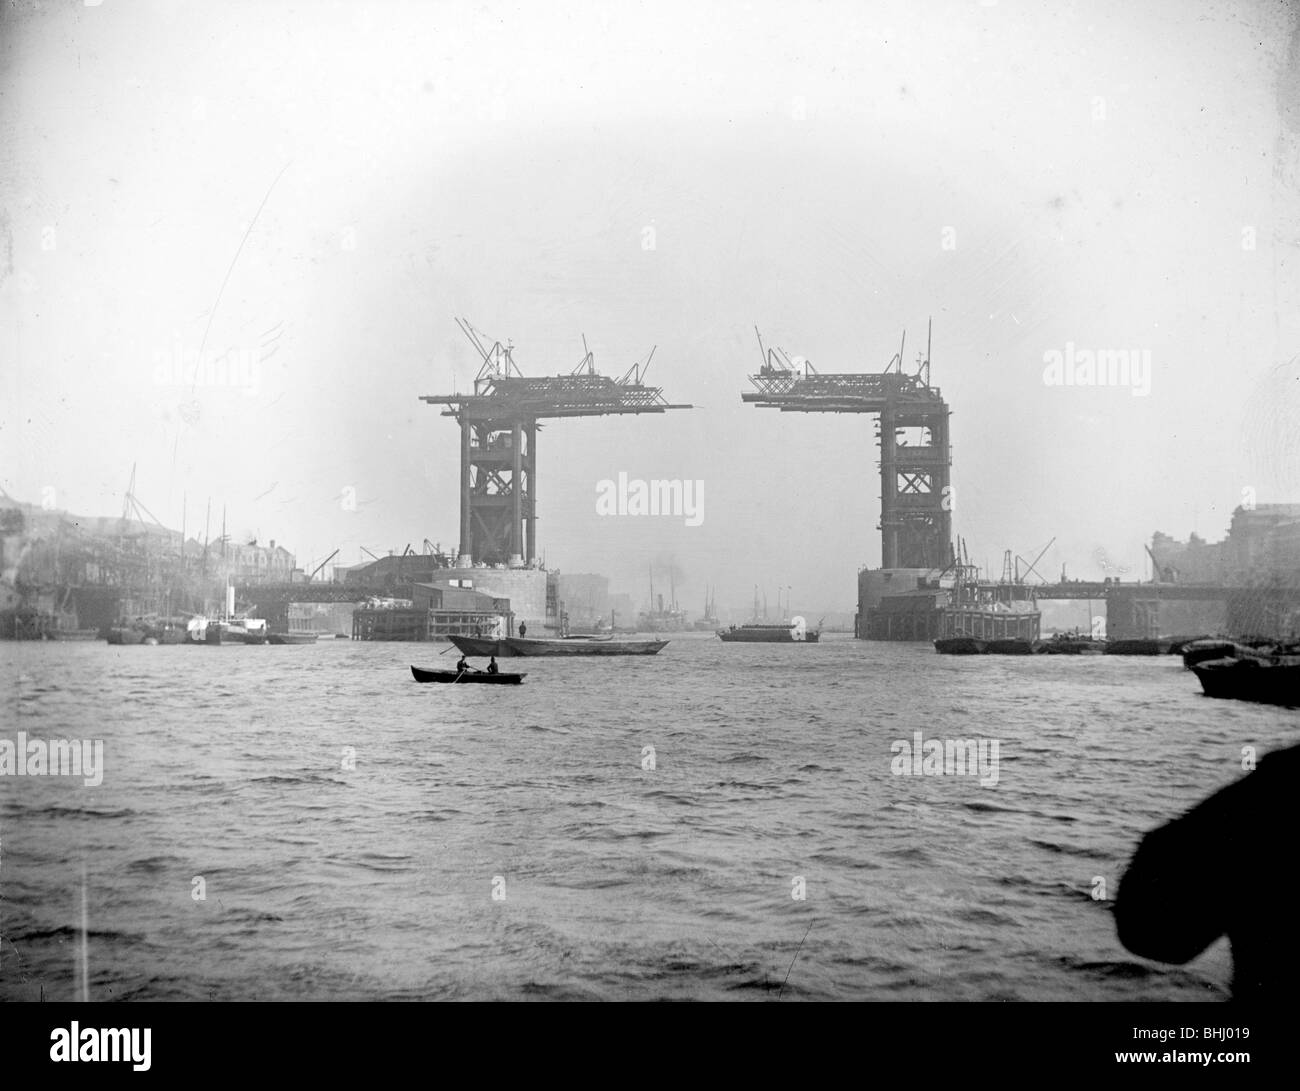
x,y
466,671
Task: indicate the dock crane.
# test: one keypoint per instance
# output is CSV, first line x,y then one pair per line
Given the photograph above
x,y
1030,568
1157,573
322,565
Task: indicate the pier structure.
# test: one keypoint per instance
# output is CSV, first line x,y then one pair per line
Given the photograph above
x,y
915,457
498,441
917,606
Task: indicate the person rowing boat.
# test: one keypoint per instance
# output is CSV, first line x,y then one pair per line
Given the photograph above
x,y
462,666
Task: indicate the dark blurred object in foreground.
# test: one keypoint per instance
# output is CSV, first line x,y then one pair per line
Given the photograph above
x,y
1228,865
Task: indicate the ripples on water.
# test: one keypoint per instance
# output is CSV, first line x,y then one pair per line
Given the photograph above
x,y
771,763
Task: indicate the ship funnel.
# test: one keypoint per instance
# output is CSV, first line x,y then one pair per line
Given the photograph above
x,y
798,628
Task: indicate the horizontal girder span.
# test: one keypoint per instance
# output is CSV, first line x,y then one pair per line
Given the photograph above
x,y
558,396
499,422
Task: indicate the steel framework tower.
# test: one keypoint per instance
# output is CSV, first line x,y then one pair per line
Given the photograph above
x,y
498,441
915,493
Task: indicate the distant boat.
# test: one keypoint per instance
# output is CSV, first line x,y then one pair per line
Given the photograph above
x,y
291,638
242,631
148,630
517,646
1274,681
229,628
1072,644
75,634
1012,646
169,631
794,631
960,645
481,678
1060,645
661,620
709,623
968,645
126,634
1138,647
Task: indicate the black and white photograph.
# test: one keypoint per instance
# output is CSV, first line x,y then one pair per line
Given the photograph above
x,y
719,502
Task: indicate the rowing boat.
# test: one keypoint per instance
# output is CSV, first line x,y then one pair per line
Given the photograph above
x,y
473,677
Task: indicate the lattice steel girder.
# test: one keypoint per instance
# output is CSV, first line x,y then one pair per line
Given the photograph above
x,y
840,393
558,396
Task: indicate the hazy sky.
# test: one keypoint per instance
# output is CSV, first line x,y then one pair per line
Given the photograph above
x,y
1104,175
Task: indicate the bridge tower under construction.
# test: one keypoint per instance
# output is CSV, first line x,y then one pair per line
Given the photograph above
x,y
915,458
498,441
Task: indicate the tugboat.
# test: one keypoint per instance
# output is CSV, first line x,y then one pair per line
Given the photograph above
x,y
243,630
228,629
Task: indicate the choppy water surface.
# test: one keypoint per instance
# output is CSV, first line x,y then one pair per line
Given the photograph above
x,y
771,763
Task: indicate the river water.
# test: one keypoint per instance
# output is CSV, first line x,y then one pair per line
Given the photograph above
x,y
514,842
